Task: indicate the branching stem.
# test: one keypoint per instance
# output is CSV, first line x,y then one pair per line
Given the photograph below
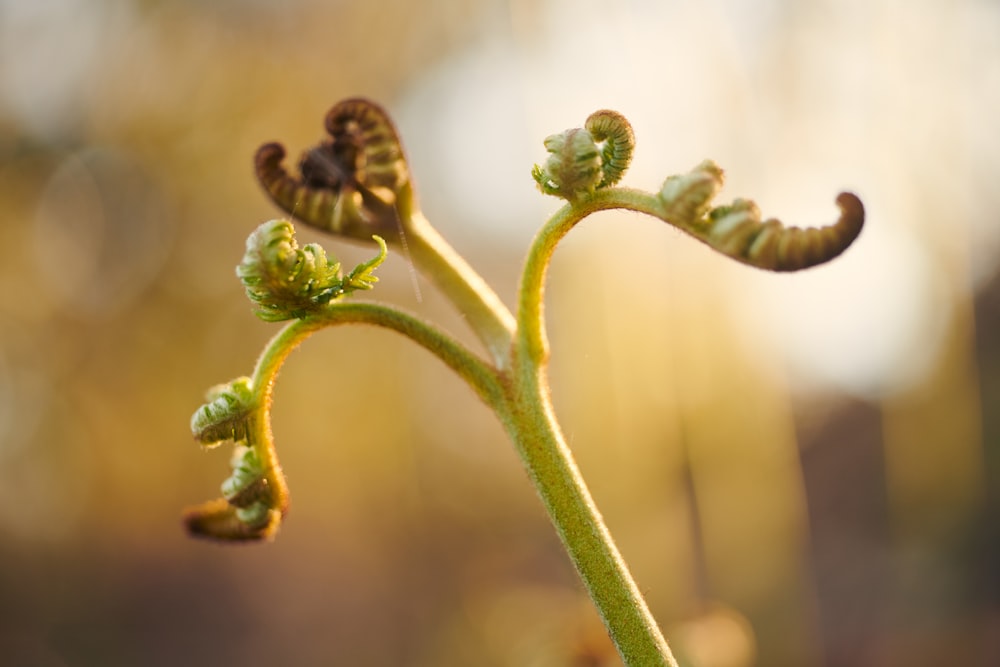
x,y
481,377
519,396
486,314
357,184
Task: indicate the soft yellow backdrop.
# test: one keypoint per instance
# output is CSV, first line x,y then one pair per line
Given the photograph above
x,y
801,469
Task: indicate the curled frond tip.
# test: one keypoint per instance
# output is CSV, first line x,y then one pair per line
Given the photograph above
x,y
738,231
224,416
286,282
354,184
582,160
218,520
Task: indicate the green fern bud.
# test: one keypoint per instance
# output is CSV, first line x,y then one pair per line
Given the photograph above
x,y
574,166
248,484
585,159
615,138
686,197
224,416
248,509
257,516
285,281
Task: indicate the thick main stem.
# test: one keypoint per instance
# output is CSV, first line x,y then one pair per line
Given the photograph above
x,y
550,461
531,423
550,464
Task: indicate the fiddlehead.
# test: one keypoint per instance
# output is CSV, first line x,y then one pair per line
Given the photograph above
x,y
356,184
247,489
254,498
616,140
365,136
224,417
585,159
737,230
287,282
284,282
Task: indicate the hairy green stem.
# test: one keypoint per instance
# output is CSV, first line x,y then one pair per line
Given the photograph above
x,y
536,432
479,375
531,338
530,422
476,301
359,183
516,389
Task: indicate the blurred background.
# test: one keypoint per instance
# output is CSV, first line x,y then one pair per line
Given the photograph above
x,y
801,469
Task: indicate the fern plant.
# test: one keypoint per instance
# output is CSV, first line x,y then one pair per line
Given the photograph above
x,y
356,184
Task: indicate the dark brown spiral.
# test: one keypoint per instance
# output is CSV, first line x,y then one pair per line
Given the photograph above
x,y
348,185
310,204
218,520
365,136
738,231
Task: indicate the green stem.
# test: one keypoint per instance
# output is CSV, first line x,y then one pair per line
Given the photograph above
x,y
550,462
479,375
551,466
516,389
531,423
531,329
471,295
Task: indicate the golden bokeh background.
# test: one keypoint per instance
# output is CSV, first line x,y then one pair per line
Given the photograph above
x,y
801,469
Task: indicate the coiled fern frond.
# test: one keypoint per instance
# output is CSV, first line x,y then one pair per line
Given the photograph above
x,y
355,184
737,230
584,159
287,282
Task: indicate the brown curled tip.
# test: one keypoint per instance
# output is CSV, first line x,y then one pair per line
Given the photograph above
x,y
272,174
852,214
799,248
365,137
738,231
315,205
217,520
270,154
356,183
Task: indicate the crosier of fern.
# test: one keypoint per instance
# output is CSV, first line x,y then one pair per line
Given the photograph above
x,y
357,185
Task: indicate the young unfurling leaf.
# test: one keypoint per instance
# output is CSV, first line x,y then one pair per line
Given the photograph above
x,y
736,229
224,417
288,282
584,159
355,184
574,165
283,280
362,277
249,509
248,484
687,197
616,140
